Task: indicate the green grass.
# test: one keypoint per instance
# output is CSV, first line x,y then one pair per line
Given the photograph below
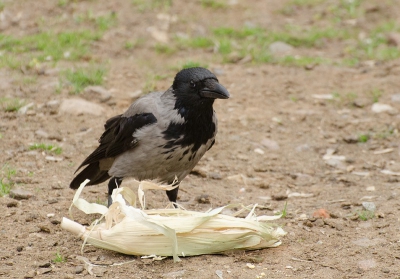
x,y
151,5
11,104
50,46
165,49
104,23
6,182
46,147
375,94
363,138
214,4
83,77
59,258
192,64
365,215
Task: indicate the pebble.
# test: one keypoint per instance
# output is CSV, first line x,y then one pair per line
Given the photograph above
x,y
366,242
12,203
205,199
41,134
30,274
44,264
215,175
367,264
79,269
370,188
370,206
379,108
270,144
53,106
77,106
279,197
45,270
396,98
98,92
20,194
321,213
319,222
53,159
24,109
259,151
280,49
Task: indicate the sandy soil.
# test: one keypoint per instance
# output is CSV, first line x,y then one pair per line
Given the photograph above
x,y
275,131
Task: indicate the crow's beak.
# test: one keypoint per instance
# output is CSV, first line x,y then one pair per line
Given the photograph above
x,y
214,91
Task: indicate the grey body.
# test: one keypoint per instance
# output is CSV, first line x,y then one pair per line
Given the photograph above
x,y
146,160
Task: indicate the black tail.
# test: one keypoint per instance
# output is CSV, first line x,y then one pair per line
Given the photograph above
x,y
91,172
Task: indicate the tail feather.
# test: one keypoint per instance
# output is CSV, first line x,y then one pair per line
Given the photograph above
x,y
91,172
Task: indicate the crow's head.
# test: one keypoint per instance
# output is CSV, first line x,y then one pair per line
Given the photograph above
x,y
196,84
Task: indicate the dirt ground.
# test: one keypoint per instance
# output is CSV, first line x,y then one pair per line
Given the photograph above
x,y
306,136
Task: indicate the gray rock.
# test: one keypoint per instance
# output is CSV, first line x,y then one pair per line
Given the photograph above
x,y
396,98
78,106
280,49
41,134
370,206
98,92
270,144
20,194
367,264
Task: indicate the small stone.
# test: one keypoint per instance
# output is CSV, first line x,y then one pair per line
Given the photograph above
x,y
76,106
385,270
41,134
321,213
12,203
370,206
136,94
97,92
280,49
205,199
20,194
351,139
396,98
319,222
53,159
55,222
30,274
378,108
52,201
45,270
215,175
367,264
370,188
20,248
251,266
79,269
44,228
270,144
279,197
44,264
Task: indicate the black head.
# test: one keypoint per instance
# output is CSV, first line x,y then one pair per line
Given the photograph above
x,y
197,84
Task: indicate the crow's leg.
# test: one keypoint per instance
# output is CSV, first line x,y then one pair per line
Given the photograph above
x,y
114,183
173,194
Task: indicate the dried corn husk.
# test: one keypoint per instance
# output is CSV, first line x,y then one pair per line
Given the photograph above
x,y
170,232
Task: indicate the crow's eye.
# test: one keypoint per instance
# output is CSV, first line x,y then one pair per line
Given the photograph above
x,y
192,84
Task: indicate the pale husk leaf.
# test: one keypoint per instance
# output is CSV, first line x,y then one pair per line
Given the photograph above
x,y
170,232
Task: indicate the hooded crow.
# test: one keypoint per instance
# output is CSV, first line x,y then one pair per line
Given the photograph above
x,y
161,136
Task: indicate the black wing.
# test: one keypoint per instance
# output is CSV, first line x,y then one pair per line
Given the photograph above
x,y
118,136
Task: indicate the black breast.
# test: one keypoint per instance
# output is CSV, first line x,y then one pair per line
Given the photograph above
x,y
197,129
